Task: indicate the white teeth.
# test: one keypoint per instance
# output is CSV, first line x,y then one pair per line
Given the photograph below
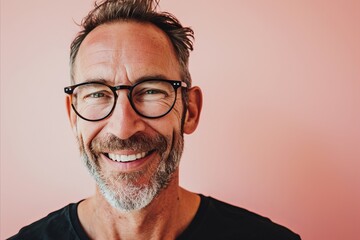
x,y
126,158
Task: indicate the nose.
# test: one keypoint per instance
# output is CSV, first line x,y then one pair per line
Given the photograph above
x,y
124,121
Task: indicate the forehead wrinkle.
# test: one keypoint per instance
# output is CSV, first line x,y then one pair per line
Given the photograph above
x,y
134,39
128,59
101,60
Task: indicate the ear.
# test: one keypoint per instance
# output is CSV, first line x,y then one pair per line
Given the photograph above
x,y
71,115
194,109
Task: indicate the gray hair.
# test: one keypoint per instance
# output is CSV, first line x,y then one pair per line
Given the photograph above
x,y
108,11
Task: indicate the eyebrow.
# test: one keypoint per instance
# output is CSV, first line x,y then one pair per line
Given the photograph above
x,y
143,78
157,76
100,80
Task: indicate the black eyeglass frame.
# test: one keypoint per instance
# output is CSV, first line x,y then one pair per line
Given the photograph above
x,y
174,83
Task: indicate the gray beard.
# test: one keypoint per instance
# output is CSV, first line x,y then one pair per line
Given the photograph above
x,y
132,195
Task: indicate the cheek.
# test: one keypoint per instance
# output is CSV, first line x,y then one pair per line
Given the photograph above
x,y
87,131
177,111
171,122
180,114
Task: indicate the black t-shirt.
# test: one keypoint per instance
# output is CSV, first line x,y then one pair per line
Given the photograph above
x,y
214,220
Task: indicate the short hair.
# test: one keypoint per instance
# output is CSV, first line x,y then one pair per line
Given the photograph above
x,y
109,11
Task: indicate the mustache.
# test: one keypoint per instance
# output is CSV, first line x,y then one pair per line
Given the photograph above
x,y
137,142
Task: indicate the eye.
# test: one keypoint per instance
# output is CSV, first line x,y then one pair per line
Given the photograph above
x,y
153,91
96,95
151,94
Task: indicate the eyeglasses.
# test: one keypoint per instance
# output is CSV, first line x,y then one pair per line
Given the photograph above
x,y
152,98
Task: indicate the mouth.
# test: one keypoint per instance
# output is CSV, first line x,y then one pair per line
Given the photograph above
x,y
124,158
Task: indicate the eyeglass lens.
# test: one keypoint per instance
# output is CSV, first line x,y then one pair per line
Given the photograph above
x,y
95,101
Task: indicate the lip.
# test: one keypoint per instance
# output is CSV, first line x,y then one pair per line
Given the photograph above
x,y
131,165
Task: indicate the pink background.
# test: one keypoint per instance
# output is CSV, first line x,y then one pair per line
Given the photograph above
x,y
280,129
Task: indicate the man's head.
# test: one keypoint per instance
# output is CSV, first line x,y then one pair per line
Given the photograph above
x,y
134,151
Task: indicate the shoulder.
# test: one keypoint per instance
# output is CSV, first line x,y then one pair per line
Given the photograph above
x,y
56,225
219,220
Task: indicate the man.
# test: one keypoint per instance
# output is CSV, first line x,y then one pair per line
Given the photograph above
x,y
130,102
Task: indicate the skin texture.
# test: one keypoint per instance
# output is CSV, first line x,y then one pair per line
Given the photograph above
x,y
124,53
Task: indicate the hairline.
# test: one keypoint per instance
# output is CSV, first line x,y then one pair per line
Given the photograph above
x,y
181,67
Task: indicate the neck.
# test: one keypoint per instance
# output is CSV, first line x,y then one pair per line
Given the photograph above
x,y
166,217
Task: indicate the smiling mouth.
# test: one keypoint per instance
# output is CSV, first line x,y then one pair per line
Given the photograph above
x,y
127,158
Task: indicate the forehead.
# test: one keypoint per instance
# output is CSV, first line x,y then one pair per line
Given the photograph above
x,y
125,51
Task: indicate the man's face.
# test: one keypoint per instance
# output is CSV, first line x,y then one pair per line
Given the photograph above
x,y
149,150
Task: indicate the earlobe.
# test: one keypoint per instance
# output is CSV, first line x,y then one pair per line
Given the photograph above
x,y
194,109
